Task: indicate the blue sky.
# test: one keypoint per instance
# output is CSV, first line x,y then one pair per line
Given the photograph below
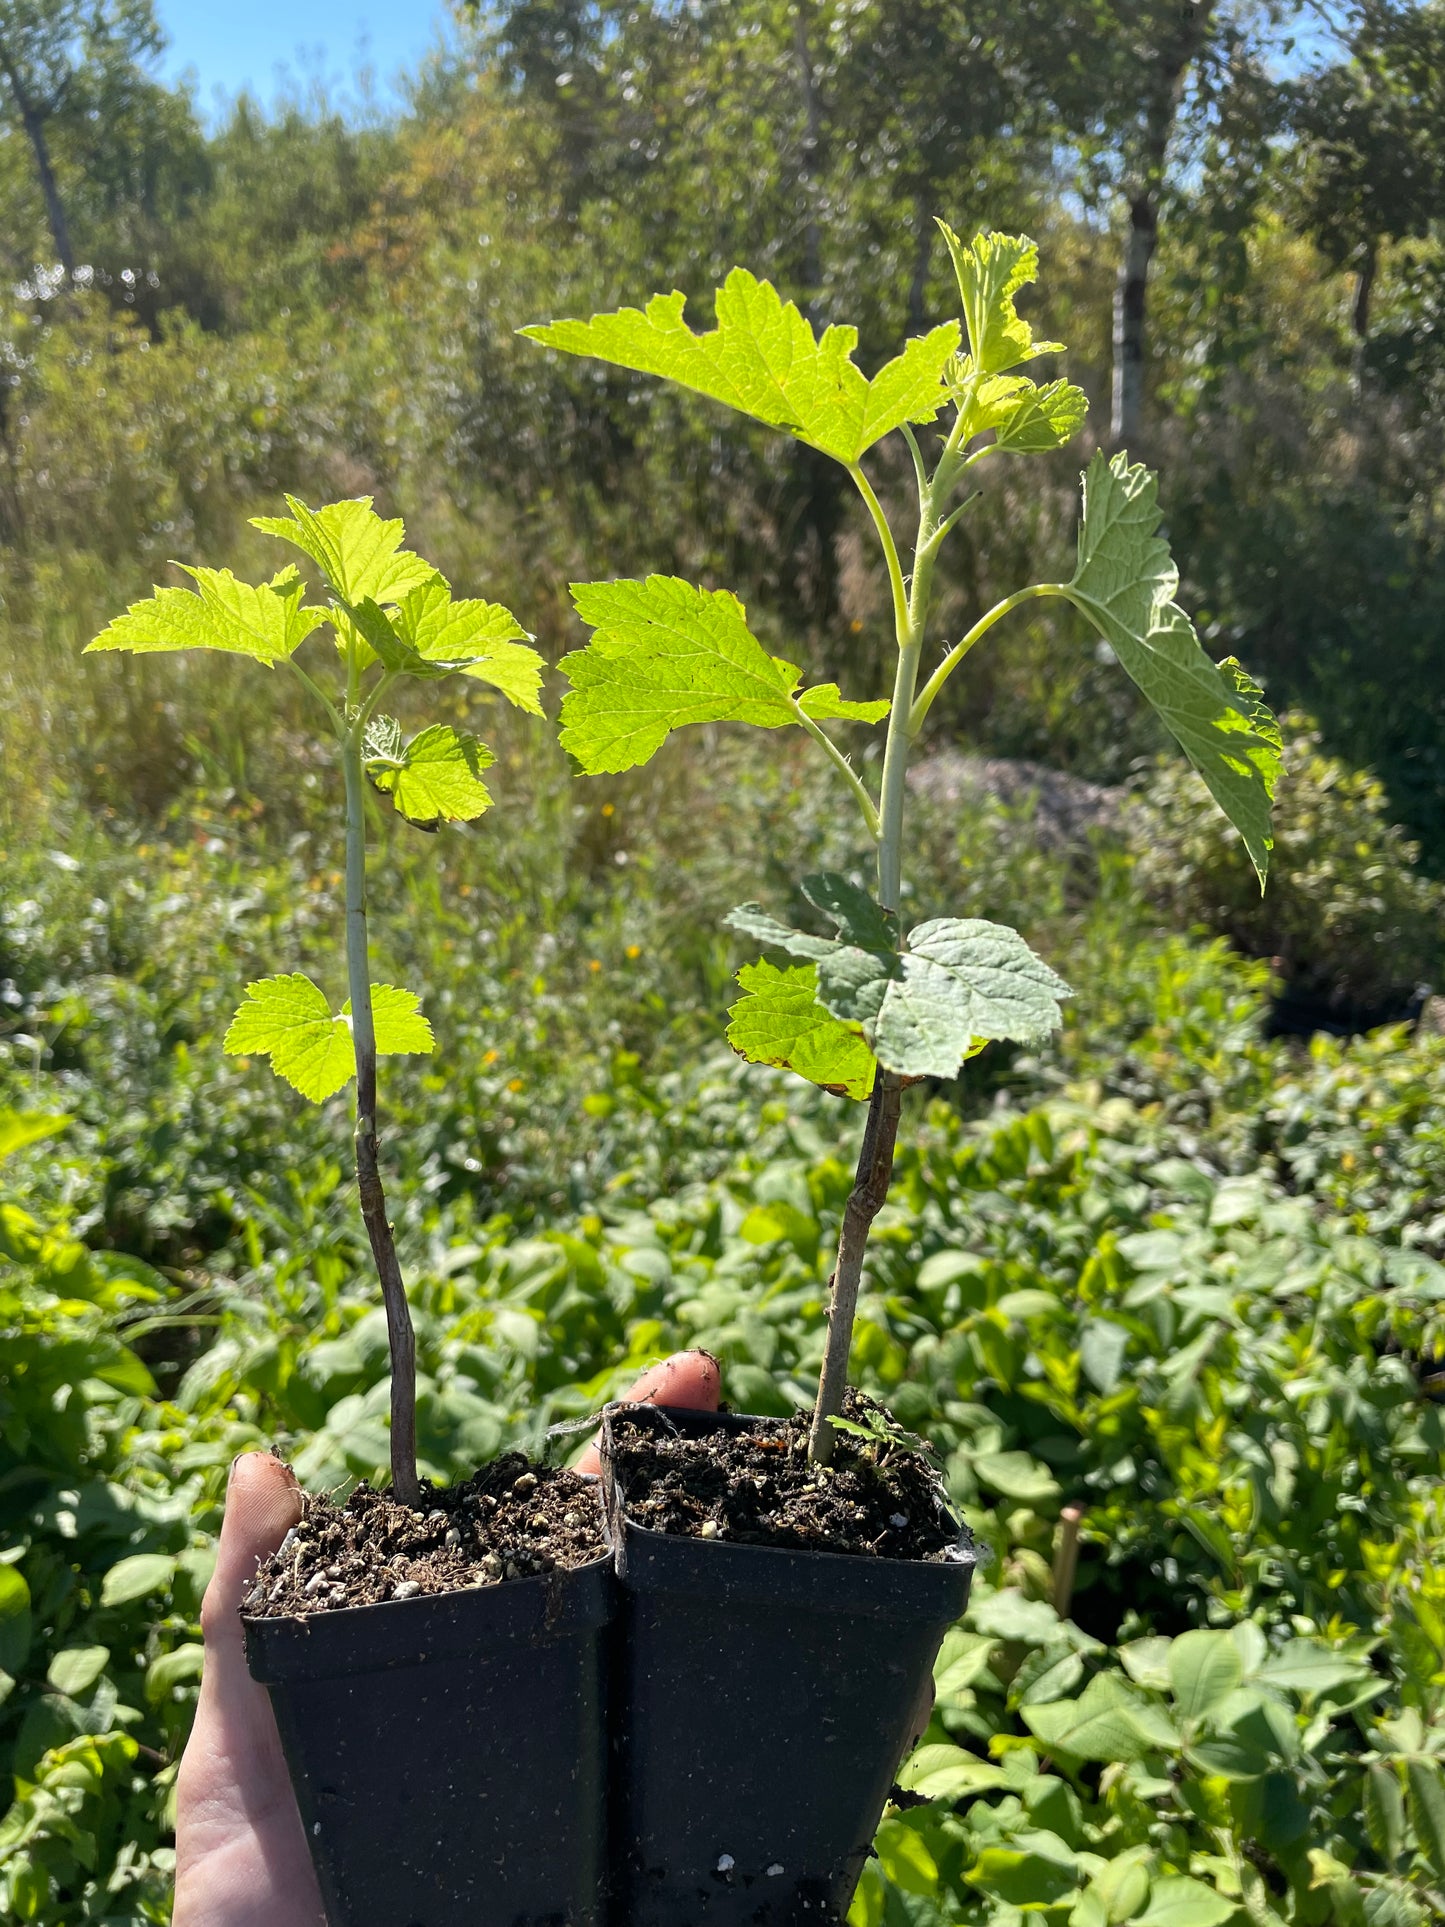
x,y
271,46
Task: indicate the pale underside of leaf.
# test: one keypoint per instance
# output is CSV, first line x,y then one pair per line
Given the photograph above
x,y
665,655
437,777
925,1009
780,1021
265,622
764,360
289,1020
991,271
358,552
1125,583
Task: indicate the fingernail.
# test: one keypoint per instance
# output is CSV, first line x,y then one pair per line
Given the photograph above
x,y
232,1473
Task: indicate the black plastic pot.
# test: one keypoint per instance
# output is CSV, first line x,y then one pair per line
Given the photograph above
x,y
763,1702
449,1753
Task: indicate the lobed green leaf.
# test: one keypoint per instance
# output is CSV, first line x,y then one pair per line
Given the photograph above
x,y
764,360
991,270
289,1020
481,639
1024,418
1125,584
266,622
436,777
924,1009
665,655
359,554
780,1021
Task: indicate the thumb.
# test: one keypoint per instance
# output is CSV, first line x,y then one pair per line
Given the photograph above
x,y
263,1502
689,1380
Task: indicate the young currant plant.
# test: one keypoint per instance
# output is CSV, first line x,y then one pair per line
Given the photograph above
x,y
868,1010
393,619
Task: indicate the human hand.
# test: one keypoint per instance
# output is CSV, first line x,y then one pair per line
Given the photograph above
x,y
241,1855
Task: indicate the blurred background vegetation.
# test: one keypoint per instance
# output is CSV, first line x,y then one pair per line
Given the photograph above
x,y
1181,1269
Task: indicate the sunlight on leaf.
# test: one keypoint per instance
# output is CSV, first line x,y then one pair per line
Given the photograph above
x,y
764,360
267,622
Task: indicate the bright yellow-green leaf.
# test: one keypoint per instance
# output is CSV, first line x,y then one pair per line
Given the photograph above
x,y
1024,417
19,1128
780,1021
991,269
482,638
360,554
1125,584
905,1859
15,1619
289,1020
437,777
401,1030
1033,1877
265,622
665,655
764,360
825,700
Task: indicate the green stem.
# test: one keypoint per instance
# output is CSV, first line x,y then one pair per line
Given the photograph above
x,y
980,629
880,1136
890,547
895,778
368,1171
333,714
855,782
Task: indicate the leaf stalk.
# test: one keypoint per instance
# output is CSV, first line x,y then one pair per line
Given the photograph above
x,y
925,698
854,780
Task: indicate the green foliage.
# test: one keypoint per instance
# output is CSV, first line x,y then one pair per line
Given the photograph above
x,y
358,552
924,1009
764,360
664,655
1125,584
779,1020
1123,1304
990,272
290,1021
392,614
266,622
435,778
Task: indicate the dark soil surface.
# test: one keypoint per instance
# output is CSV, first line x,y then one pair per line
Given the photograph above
x,y
877,1499
510,1521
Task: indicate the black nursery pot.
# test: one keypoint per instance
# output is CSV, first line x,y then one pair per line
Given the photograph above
x,y
762,1704
449,1753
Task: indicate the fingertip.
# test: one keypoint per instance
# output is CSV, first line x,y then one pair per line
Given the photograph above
x,y
692,1381
263,1502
